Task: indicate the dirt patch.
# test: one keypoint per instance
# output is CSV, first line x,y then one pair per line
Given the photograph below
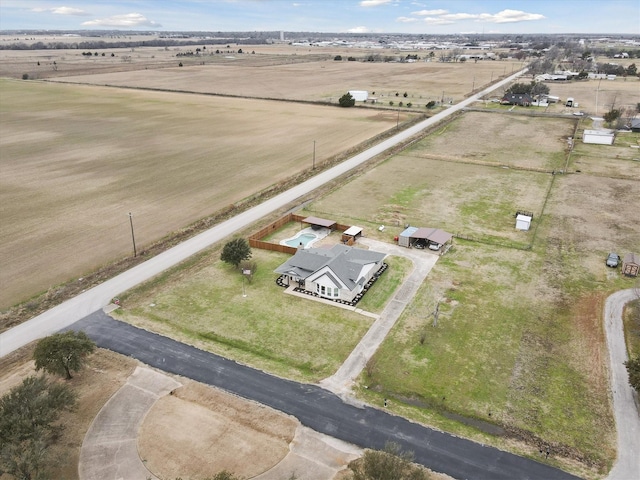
x,y
511,140
170,159
198,431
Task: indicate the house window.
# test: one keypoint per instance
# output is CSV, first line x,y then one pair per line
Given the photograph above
x,y
329,292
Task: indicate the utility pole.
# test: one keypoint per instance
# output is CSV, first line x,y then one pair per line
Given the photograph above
x,y
314,155
133,238
398,120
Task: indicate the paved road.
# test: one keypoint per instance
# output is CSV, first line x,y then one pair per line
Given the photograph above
x,y
94,299
625,408
316,407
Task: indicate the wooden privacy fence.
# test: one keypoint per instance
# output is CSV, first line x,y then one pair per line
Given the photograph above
x,y
255,240
276,247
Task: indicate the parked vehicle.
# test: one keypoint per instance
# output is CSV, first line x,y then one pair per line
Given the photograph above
x,y
613,260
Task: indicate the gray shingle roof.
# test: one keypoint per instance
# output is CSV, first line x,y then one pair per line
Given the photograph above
x,y
345,262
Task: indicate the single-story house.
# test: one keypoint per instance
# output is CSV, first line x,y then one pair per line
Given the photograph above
x,y
423,237
547,77
338,273
522,99
600,137
631,264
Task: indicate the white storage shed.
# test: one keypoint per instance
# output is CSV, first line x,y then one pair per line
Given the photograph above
x,y
359,95
600,137
523,222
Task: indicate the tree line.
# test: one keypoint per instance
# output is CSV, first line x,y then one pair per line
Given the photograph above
x,y
101,44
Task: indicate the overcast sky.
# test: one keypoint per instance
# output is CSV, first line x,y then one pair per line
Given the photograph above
x,y
376,16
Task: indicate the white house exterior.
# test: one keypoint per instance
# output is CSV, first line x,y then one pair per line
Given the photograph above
x,y
600,137
338,273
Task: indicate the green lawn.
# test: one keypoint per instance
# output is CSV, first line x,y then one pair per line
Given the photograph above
x,y
632,328
202,303
378,295
502,352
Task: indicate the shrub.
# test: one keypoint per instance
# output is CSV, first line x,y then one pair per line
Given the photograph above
x,y
347,100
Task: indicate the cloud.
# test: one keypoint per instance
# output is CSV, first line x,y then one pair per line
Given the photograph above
x,y
510,16
461,16
423,13
437,21
374,3
443,17
61,11
358,30
406,19
128,20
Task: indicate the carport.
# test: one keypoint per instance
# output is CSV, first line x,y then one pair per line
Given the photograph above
x,y
423,237
318,223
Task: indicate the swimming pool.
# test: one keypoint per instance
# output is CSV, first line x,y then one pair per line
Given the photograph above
x,y
305,239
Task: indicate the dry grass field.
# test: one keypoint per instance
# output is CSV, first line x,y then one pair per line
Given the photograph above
x,y
77,159
320,80
621,93
221,431
266,71
456,180
541,308
69,184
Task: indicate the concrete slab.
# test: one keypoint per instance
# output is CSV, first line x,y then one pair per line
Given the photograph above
x,y
313,456
110,450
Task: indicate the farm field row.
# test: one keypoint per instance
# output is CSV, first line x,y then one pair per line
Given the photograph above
x,y
77,159
324,80
519,344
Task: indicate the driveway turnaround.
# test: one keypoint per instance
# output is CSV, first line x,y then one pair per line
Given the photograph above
x,y
110,447
312,456
316,407
95,298
625,408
